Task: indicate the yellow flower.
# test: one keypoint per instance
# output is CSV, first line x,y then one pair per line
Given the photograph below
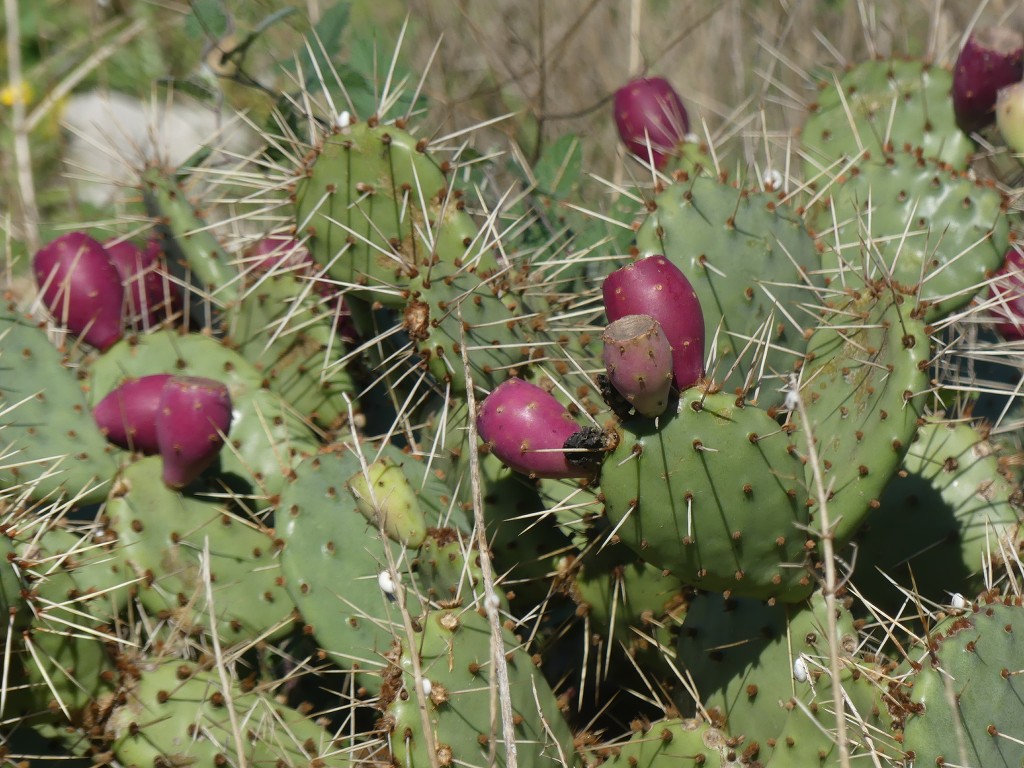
x,y
12,94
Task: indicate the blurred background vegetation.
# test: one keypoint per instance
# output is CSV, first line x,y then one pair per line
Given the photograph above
x,y
72,73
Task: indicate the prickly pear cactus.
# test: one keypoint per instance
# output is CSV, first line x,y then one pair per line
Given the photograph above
x,y
942,521
714,494
903,217
47,457
965,704
676,742
201,564
455,688
751,261
862,389
878,105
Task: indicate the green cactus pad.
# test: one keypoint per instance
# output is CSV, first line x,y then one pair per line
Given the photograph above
x,y
941,520
712,494
675,743
916,222
741,652
188,240
279,326
444,315
810,733
267,436
74,591
176,713
380,210
50,447
881,104
333,558
163,537
751,262
455,656
862,388
967,701
631,605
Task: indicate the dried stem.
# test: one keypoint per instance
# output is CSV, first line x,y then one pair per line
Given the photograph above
x,y
491,601
829,589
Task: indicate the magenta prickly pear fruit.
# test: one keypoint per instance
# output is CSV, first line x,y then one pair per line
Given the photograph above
x,y
192,419
527,429
651,119
1007,296
151,295
655,286
81,287
638,359
991,59
127,416
1010,116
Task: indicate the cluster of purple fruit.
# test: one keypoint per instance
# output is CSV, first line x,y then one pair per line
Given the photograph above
x,y
95,289
184,419
653,345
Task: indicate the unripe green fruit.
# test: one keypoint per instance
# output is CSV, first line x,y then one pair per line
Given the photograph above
x,y
385,498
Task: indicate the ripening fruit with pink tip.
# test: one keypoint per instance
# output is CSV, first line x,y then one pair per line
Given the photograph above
x,y
192,419
81,287
655,286
152,296
638,361
991,59
127,415
651,119
1006,293
527,429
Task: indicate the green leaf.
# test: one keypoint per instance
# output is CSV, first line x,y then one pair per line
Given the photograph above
x,y
209,19
558,170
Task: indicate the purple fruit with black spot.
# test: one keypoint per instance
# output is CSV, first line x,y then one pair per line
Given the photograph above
x,y
651,119
991,59
81,287
1006,292
638,360
152,296
127,415
527,428
655,286
193,417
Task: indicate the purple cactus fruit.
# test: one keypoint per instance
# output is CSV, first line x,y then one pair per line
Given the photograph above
x,y
651,119
527,428
193,416
991,59
638,359
127,415
655,286
81,288
1007,296
151,295
1010,116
